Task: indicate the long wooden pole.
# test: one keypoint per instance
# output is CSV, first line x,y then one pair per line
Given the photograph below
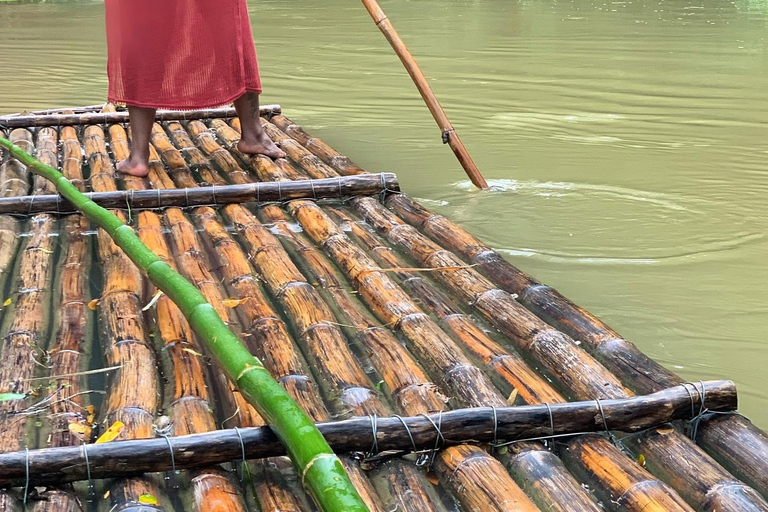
x,y
321,471
484,424
450,136
335,188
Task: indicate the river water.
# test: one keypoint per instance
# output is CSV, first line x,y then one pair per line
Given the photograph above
x,y
626,141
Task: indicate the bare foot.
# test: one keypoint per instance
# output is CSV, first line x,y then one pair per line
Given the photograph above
x,y
134,166
262,145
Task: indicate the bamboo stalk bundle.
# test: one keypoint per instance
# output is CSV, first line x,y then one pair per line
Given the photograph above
x,y
26,325
274,171
106,117
197,162
703,484
633,490
220,157
514,375
569,365
473,476
266,168
339,374
694,454
635,414
526,464
133,391
144,199
316,146
320,469
67,348
187,399
276,347
271,488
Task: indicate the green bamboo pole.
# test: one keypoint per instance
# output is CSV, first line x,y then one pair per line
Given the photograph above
x,y
320,469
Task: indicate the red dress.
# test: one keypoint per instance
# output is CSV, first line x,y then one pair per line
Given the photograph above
x,y
180,54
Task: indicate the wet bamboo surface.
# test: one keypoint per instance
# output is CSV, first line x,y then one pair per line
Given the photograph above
x,y
358,307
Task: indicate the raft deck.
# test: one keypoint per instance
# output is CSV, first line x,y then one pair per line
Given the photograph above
x,y
360,305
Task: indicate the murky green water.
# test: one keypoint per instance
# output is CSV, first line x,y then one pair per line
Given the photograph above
x,y
627,141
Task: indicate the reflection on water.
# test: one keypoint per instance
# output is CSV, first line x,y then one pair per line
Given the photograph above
x,y
626,141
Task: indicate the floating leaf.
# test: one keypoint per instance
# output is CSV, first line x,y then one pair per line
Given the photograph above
x,y
432,477
7,302
111,433
147,499
106,495
193,352
512,397
641,459
91,415
94,304
4,397
46,251
233,303
78,428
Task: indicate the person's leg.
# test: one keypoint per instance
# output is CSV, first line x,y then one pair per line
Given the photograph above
x,y
137,164
254,141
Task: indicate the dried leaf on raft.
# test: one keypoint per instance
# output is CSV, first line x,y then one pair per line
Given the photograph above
x,y
111,433
233,303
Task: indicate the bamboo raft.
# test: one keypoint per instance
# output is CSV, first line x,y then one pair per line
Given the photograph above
x,y
448,378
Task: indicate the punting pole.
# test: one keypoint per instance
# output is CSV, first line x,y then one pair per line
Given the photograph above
x,y
450,136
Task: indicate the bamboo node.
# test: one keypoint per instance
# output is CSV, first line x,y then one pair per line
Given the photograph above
x,y
313,461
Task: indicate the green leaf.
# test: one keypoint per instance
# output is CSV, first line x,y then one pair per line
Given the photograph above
x,y
4,397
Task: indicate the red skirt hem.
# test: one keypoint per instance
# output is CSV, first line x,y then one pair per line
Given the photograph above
x,y
221,103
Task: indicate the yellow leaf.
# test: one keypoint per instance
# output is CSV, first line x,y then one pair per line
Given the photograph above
x,y
91,415
106,495
111,433
641,459
77,428
7,302
193,352
512,397
147,499
93,304
233,303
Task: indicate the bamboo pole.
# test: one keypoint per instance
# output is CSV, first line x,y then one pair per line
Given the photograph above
x,y
334,188
67,349
271,495
187,398
449,134
106,117
635,414
26,324
319,468
721,489
13,182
